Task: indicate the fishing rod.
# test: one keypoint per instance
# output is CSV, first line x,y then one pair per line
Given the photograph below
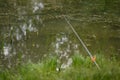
x,y
91,56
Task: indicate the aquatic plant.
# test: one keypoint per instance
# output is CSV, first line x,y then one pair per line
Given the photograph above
x,y
81,69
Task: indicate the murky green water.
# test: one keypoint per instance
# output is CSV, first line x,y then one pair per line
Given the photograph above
x,y
32,31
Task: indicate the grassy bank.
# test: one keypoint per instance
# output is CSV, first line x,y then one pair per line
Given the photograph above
x,y
81,69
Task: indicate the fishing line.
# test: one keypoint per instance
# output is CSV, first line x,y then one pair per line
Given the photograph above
x,y
68,22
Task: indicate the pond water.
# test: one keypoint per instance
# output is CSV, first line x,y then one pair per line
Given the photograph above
x,y
34,32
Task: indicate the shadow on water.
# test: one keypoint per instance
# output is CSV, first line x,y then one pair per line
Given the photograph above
x,y
31,31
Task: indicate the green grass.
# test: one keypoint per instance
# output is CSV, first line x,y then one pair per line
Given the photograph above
x,y
81,69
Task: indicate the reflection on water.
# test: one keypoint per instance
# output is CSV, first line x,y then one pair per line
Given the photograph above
x,y
24,38
15,26
64,48
6,50
37,6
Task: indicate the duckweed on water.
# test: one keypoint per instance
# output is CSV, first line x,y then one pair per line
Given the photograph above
x,y
81,69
